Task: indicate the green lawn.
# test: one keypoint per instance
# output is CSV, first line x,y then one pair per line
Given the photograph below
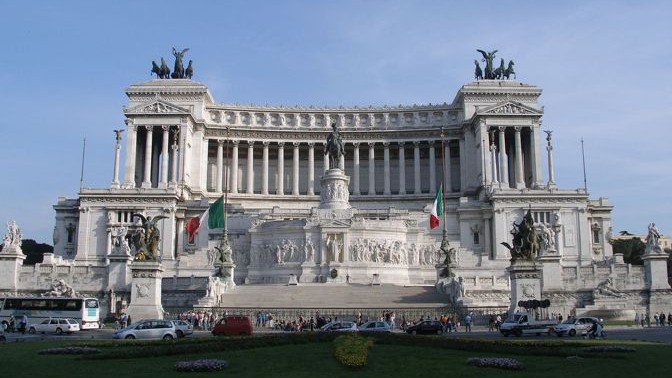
x,y
316,359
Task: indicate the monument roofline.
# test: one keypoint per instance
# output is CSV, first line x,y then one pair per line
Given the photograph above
x,y
170,87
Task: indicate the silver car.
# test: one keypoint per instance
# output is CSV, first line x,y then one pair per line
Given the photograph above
x,y
148,329
340,326
575,325
182,328
375,326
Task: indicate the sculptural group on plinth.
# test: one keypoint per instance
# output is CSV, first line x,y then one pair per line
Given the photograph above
x,y
491,73
13,239
179,72
525,240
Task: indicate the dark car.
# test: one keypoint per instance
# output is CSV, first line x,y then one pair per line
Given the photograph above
x,y
426,327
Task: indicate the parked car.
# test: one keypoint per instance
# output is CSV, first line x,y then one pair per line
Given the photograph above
x,y
375,326
576,325
426,327
148,329
55,325
339,326
182,328
233,325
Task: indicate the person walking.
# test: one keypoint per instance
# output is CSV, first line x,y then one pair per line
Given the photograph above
x,y
467,322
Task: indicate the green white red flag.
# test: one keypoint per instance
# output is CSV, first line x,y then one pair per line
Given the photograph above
x,y
213,216
437,209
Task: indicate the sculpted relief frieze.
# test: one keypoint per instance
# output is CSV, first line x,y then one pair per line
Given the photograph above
x,y
320,135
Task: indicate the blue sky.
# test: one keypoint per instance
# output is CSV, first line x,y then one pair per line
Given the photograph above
x,y
604,67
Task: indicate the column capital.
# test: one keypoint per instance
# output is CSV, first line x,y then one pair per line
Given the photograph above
x,y
266,143
128,122
296,144
517,128
165,128
281,144
501,128
356,144
431,143
235,142
371,144
311,144
149,127
416,143
386,144
250,143
401,144
220,142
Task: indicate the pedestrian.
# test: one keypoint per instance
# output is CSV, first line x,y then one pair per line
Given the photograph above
x,y
661,317
467,322
23,324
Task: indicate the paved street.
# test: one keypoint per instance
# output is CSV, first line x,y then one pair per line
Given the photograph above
x,y
656,334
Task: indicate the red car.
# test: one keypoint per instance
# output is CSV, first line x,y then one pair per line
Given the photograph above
x,y
233,325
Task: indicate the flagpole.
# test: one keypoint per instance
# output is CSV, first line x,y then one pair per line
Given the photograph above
x,y
445,244
226,182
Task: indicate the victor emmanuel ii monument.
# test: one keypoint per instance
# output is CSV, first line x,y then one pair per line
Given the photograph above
x,y
322,195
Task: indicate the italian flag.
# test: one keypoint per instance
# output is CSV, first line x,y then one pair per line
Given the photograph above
x,y
213,216
437,209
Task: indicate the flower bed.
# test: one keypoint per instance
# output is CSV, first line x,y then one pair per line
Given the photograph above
x,y
70,350
201,365
352,350
500,363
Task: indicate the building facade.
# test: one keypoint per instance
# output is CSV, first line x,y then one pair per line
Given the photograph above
x,y
182,151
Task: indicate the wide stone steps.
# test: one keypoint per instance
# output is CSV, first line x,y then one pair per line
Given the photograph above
x,y
333,296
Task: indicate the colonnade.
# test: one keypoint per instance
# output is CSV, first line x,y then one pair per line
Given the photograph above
x,y
424,166
509,162
152,167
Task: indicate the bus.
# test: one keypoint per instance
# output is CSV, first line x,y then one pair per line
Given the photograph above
x,y
85,310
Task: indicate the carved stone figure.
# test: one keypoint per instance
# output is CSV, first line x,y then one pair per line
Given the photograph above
x,y
13,237
119,240
478,73
653,238
334,147
147,238
488,57
525,240
59,288
606,288
178,72
309,251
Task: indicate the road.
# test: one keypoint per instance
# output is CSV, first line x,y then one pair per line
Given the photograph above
x,y
655,334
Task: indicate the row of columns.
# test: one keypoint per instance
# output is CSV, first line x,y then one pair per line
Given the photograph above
x,y
167,153
356,189
500,170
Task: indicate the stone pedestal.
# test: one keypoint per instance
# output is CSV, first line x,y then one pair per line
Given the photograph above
x,y
552,272
334,193
655,264
11,259
525,282
225,274
145,291
375,281
292,280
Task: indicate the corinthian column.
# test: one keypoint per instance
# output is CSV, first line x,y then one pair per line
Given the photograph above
x,y
117,153
233,187
295,169
520,180
164,157
432,167
173,170
311,168
281,169
220,165
416,167
372,170
503,158
355,168
147,177
129,164
386,168
264,169
402,169
250,167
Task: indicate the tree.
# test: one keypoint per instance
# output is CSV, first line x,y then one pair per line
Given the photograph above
x,y
34,251
631,248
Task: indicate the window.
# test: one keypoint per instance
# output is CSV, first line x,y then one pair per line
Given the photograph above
x,y
477,238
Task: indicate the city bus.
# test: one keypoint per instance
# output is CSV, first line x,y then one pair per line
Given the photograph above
x,y
85,310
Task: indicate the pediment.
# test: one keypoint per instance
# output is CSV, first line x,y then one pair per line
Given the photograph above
x,y
336,223
509,108
157,107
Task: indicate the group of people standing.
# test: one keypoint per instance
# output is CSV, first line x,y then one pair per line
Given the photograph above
x,y
660,319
